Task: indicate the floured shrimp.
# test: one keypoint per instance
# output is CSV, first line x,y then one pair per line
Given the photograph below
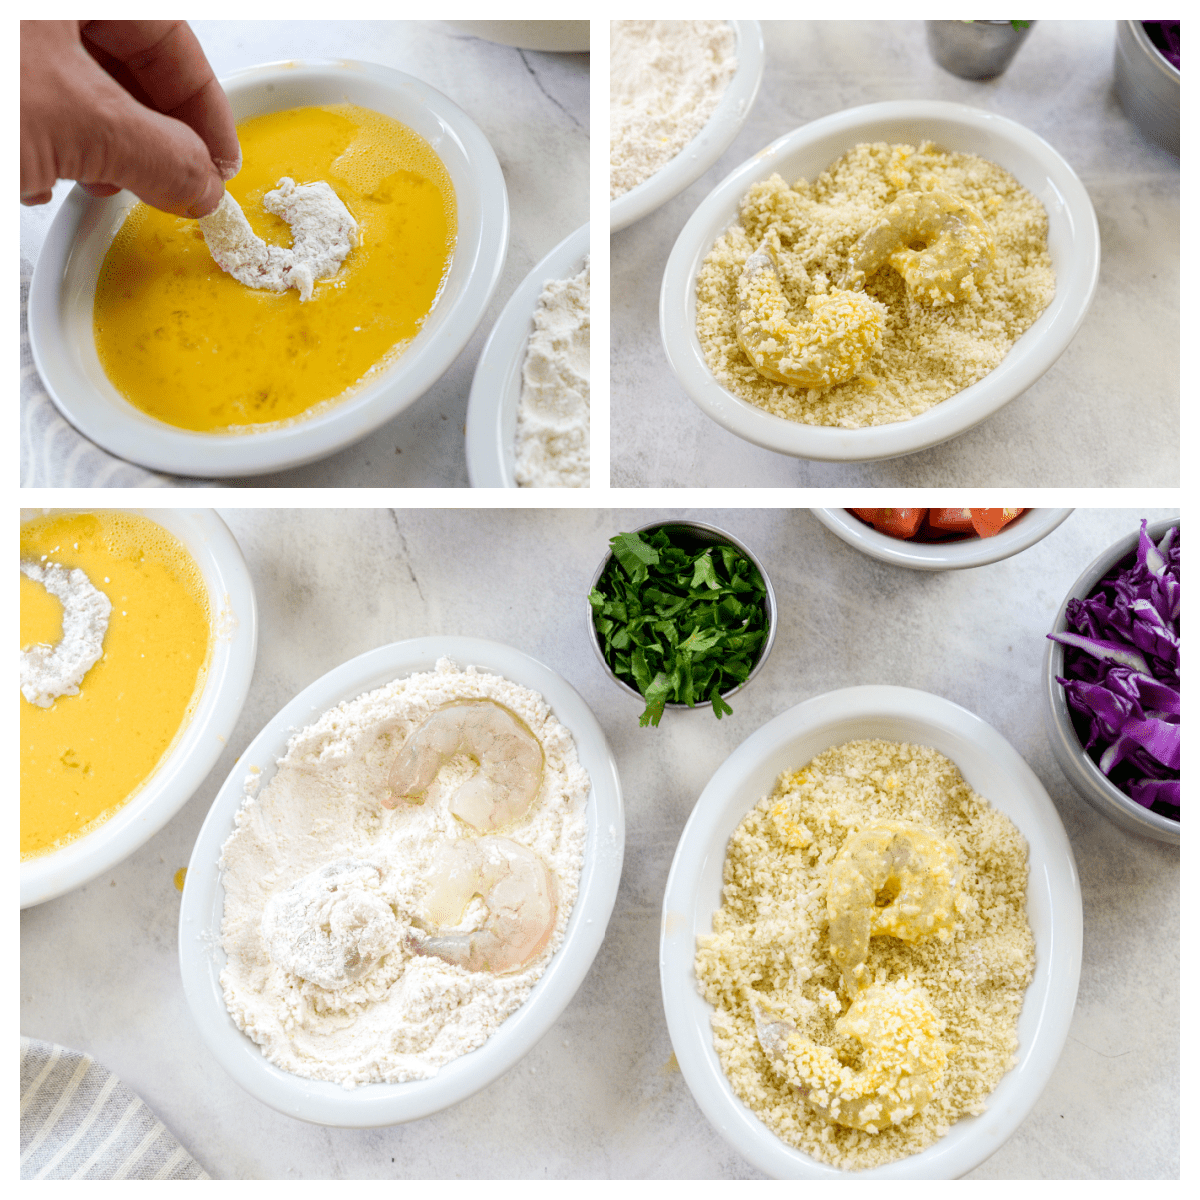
x,y
894,878
332,925
934,240
510,762
903,1057
830,347
323,233
517,891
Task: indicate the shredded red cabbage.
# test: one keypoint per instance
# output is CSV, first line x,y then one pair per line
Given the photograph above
x,y
1121,659
1165,36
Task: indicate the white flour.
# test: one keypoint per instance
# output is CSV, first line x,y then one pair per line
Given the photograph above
x,y
322,885
48,672
553,420
666,79
323,233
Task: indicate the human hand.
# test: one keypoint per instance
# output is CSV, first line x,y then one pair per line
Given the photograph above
x,y
124,104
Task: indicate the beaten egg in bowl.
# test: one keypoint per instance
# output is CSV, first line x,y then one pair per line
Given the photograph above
x,y
190,346
85,754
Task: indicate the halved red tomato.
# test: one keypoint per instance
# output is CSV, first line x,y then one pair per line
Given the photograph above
x,y
989,521
895,522
986,522
952,520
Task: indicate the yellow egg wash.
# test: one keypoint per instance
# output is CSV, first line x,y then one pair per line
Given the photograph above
x,y
188,344
86,755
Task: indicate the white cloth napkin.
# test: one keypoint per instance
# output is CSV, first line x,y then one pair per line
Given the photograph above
x,y
79,1121
53,452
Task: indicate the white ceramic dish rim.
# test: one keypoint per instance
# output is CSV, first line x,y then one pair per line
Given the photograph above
x,y
693,892
174,781
1025,531
64,283
496,387
709,144
1077,765
1074,241
201,957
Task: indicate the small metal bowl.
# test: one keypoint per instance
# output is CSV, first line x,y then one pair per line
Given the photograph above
x,y
699,534
976,49
1147,85
1077,765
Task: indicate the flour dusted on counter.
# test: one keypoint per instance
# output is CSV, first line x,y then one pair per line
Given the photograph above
x,y
335,911
48,672
553,420
666,79
323,233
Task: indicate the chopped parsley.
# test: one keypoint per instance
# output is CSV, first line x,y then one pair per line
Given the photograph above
x,y
679,621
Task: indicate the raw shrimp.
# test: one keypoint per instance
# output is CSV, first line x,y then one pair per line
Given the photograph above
x,y
903,1057
894,878
517,889
510,762
323,233
829,348
934,240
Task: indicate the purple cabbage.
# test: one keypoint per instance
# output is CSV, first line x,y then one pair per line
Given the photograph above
x,y
1165,36
1121,659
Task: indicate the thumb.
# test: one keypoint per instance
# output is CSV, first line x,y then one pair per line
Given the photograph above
x,y
161,160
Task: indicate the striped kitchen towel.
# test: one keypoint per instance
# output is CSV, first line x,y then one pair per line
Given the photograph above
x,y
79,1121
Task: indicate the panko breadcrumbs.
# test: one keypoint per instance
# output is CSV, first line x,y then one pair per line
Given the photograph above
x,y
928,352
770,946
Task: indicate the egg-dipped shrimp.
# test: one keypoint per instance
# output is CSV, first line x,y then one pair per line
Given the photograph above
x,y
934,240
894,878
510,762
903,1057
829,347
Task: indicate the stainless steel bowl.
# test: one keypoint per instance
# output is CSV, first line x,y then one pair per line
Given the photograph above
x,y
1147,85
701,534
1077,765
976,49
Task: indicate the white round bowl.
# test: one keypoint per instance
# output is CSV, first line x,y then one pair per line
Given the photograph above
x,y
1081,770
496,388
175,779
64,285
557,36
709,144
995,770
201,957
1030,527
1074,244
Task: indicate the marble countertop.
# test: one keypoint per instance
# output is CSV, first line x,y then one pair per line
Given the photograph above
x,y
601,1095
534,110
1120,373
